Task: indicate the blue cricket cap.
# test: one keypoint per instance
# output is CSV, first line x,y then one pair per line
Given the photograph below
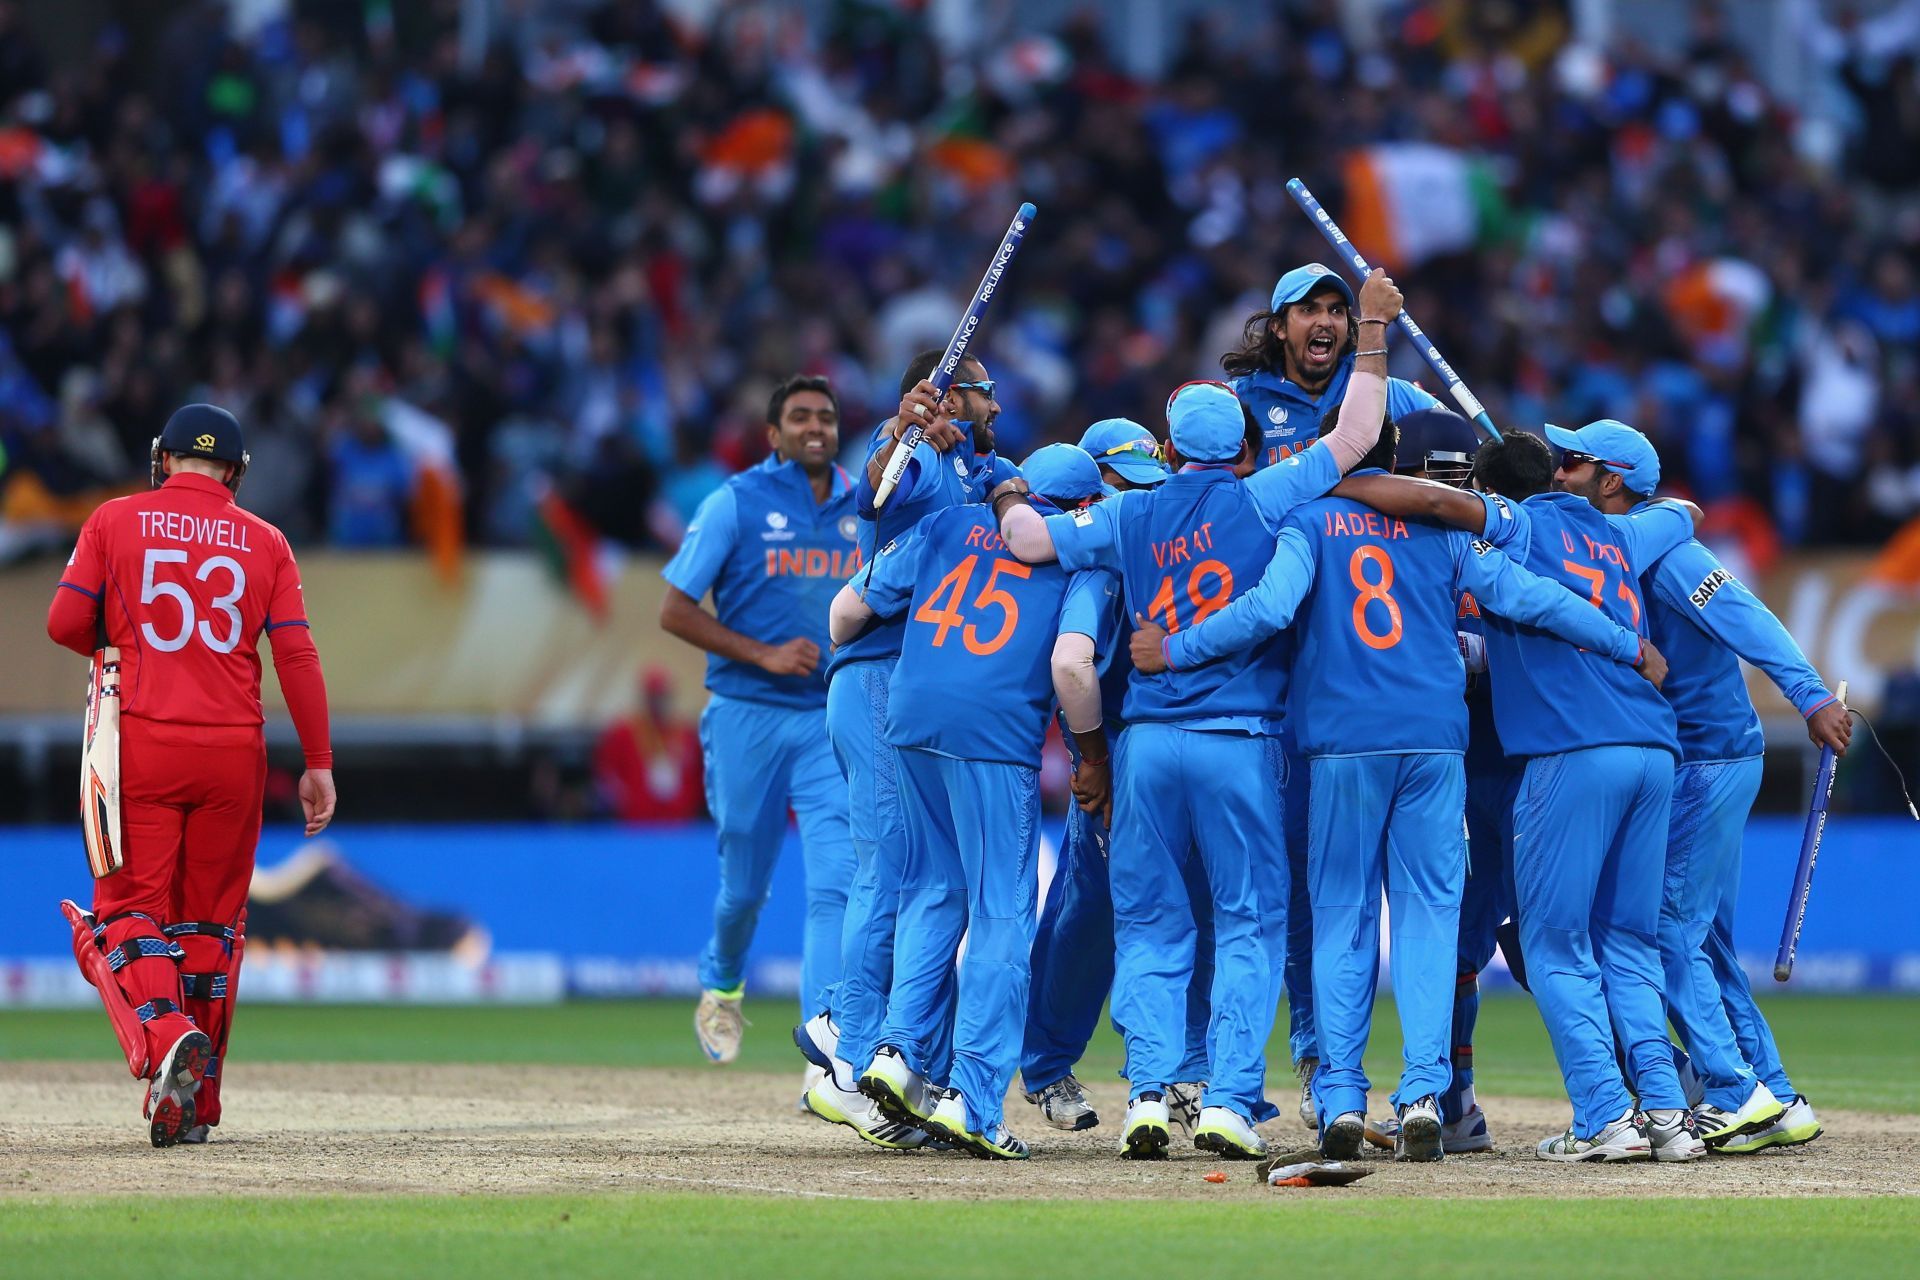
x,y
1301,281
203,431
1063,471
1127,447
1617,447
1205,422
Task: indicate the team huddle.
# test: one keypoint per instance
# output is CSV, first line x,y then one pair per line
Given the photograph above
x,y
1316,646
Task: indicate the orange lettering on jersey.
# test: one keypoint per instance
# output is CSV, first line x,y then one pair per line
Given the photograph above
x,y
973,537
791,562
1604,551
816,562
1469,607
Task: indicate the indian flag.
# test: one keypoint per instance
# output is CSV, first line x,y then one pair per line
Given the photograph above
x,y
1410,201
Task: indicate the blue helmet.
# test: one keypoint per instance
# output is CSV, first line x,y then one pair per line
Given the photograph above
x,y
1438,442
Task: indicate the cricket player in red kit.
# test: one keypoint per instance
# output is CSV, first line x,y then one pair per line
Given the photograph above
x,y
184,582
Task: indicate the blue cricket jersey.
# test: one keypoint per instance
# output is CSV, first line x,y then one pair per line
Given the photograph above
x,y
932,481
774,559
1183,551
1705,620
975,676
1093,608
1290,417
1373,600
1549,697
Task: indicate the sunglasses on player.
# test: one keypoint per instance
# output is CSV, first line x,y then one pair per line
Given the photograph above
x,y
984,387
1152,448
1569,460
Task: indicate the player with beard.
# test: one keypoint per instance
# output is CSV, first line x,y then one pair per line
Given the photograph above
x,y
773,544
1293,363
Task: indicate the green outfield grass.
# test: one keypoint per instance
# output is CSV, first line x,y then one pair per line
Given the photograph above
x,y
1844,1051
689,1235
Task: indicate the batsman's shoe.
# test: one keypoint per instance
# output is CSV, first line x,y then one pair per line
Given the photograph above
x,y
169,1107
818,1041
1457,1137
949,1121
1797,1124
1305,1069
902,1092
1623,1139
1673,1136
718,1024
1183,1106
808,1078
1758,1112
1342,1137
1063,1104
1419,1137
1223,1132
1144,1136
859,1113
195,1137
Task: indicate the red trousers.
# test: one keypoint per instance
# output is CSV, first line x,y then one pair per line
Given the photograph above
x,y
190,798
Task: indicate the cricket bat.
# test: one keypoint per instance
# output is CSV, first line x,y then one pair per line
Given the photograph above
x,y
100,766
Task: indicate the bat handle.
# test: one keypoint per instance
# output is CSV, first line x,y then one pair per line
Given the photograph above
x,y
897,465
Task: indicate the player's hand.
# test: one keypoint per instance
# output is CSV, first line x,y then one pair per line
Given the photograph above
x,y
1652,664
1093,788
1831,726
797,657
1148,657
317,798
923,405
1380,297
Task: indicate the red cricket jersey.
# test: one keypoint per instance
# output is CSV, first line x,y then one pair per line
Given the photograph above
x,y
186,581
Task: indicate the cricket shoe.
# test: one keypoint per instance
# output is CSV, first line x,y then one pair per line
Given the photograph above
x,y
949,1121
1797,1124
196,1136
1673,1135
808,1078
1758,1112
1223,1132
818,1041
1144,1135
170,1096
1063,1104
861,1114
1342,1137
1183,1107
718,1024
1623,1139
902,1093
1419,1138
1457,1137
1305,1069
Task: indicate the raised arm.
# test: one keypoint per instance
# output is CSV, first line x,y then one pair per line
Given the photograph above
x,y
1363,410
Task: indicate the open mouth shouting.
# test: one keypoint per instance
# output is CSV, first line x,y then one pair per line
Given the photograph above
x,y
1321,347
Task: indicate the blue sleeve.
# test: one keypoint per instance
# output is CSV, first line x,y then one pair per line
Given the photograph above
x,y
1404,397
887,588
1088,538
1650,531
1254,616
1290,482
863,490
1517,593
1693,581
1507,524
710,540
1086,600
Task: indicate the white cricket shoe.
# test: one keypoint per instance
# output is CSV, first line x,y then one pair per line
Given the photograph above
x,y
808,1078
1419,1138
1342,1137
1797,1124
1063,1104
1304,1069
718,1024
903,1093
169,1108
818,1040
1673,1136
1183,1106
1224,1132
949,1121
1758,1112
1144,1135
1623,1139
859,1113
1457,1137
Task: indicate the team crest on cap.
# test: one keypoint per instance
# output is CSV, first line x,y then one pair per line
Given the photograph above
x,y
204,443
849,528
1318,269
1277,416
776,519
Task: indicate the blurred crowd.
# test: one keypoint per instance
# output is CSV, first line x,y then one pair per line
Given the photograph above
x,y
568,257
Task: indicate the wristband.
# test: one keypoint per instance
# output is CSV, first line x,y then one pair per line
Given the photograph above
x,y
1380,351
1371,320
